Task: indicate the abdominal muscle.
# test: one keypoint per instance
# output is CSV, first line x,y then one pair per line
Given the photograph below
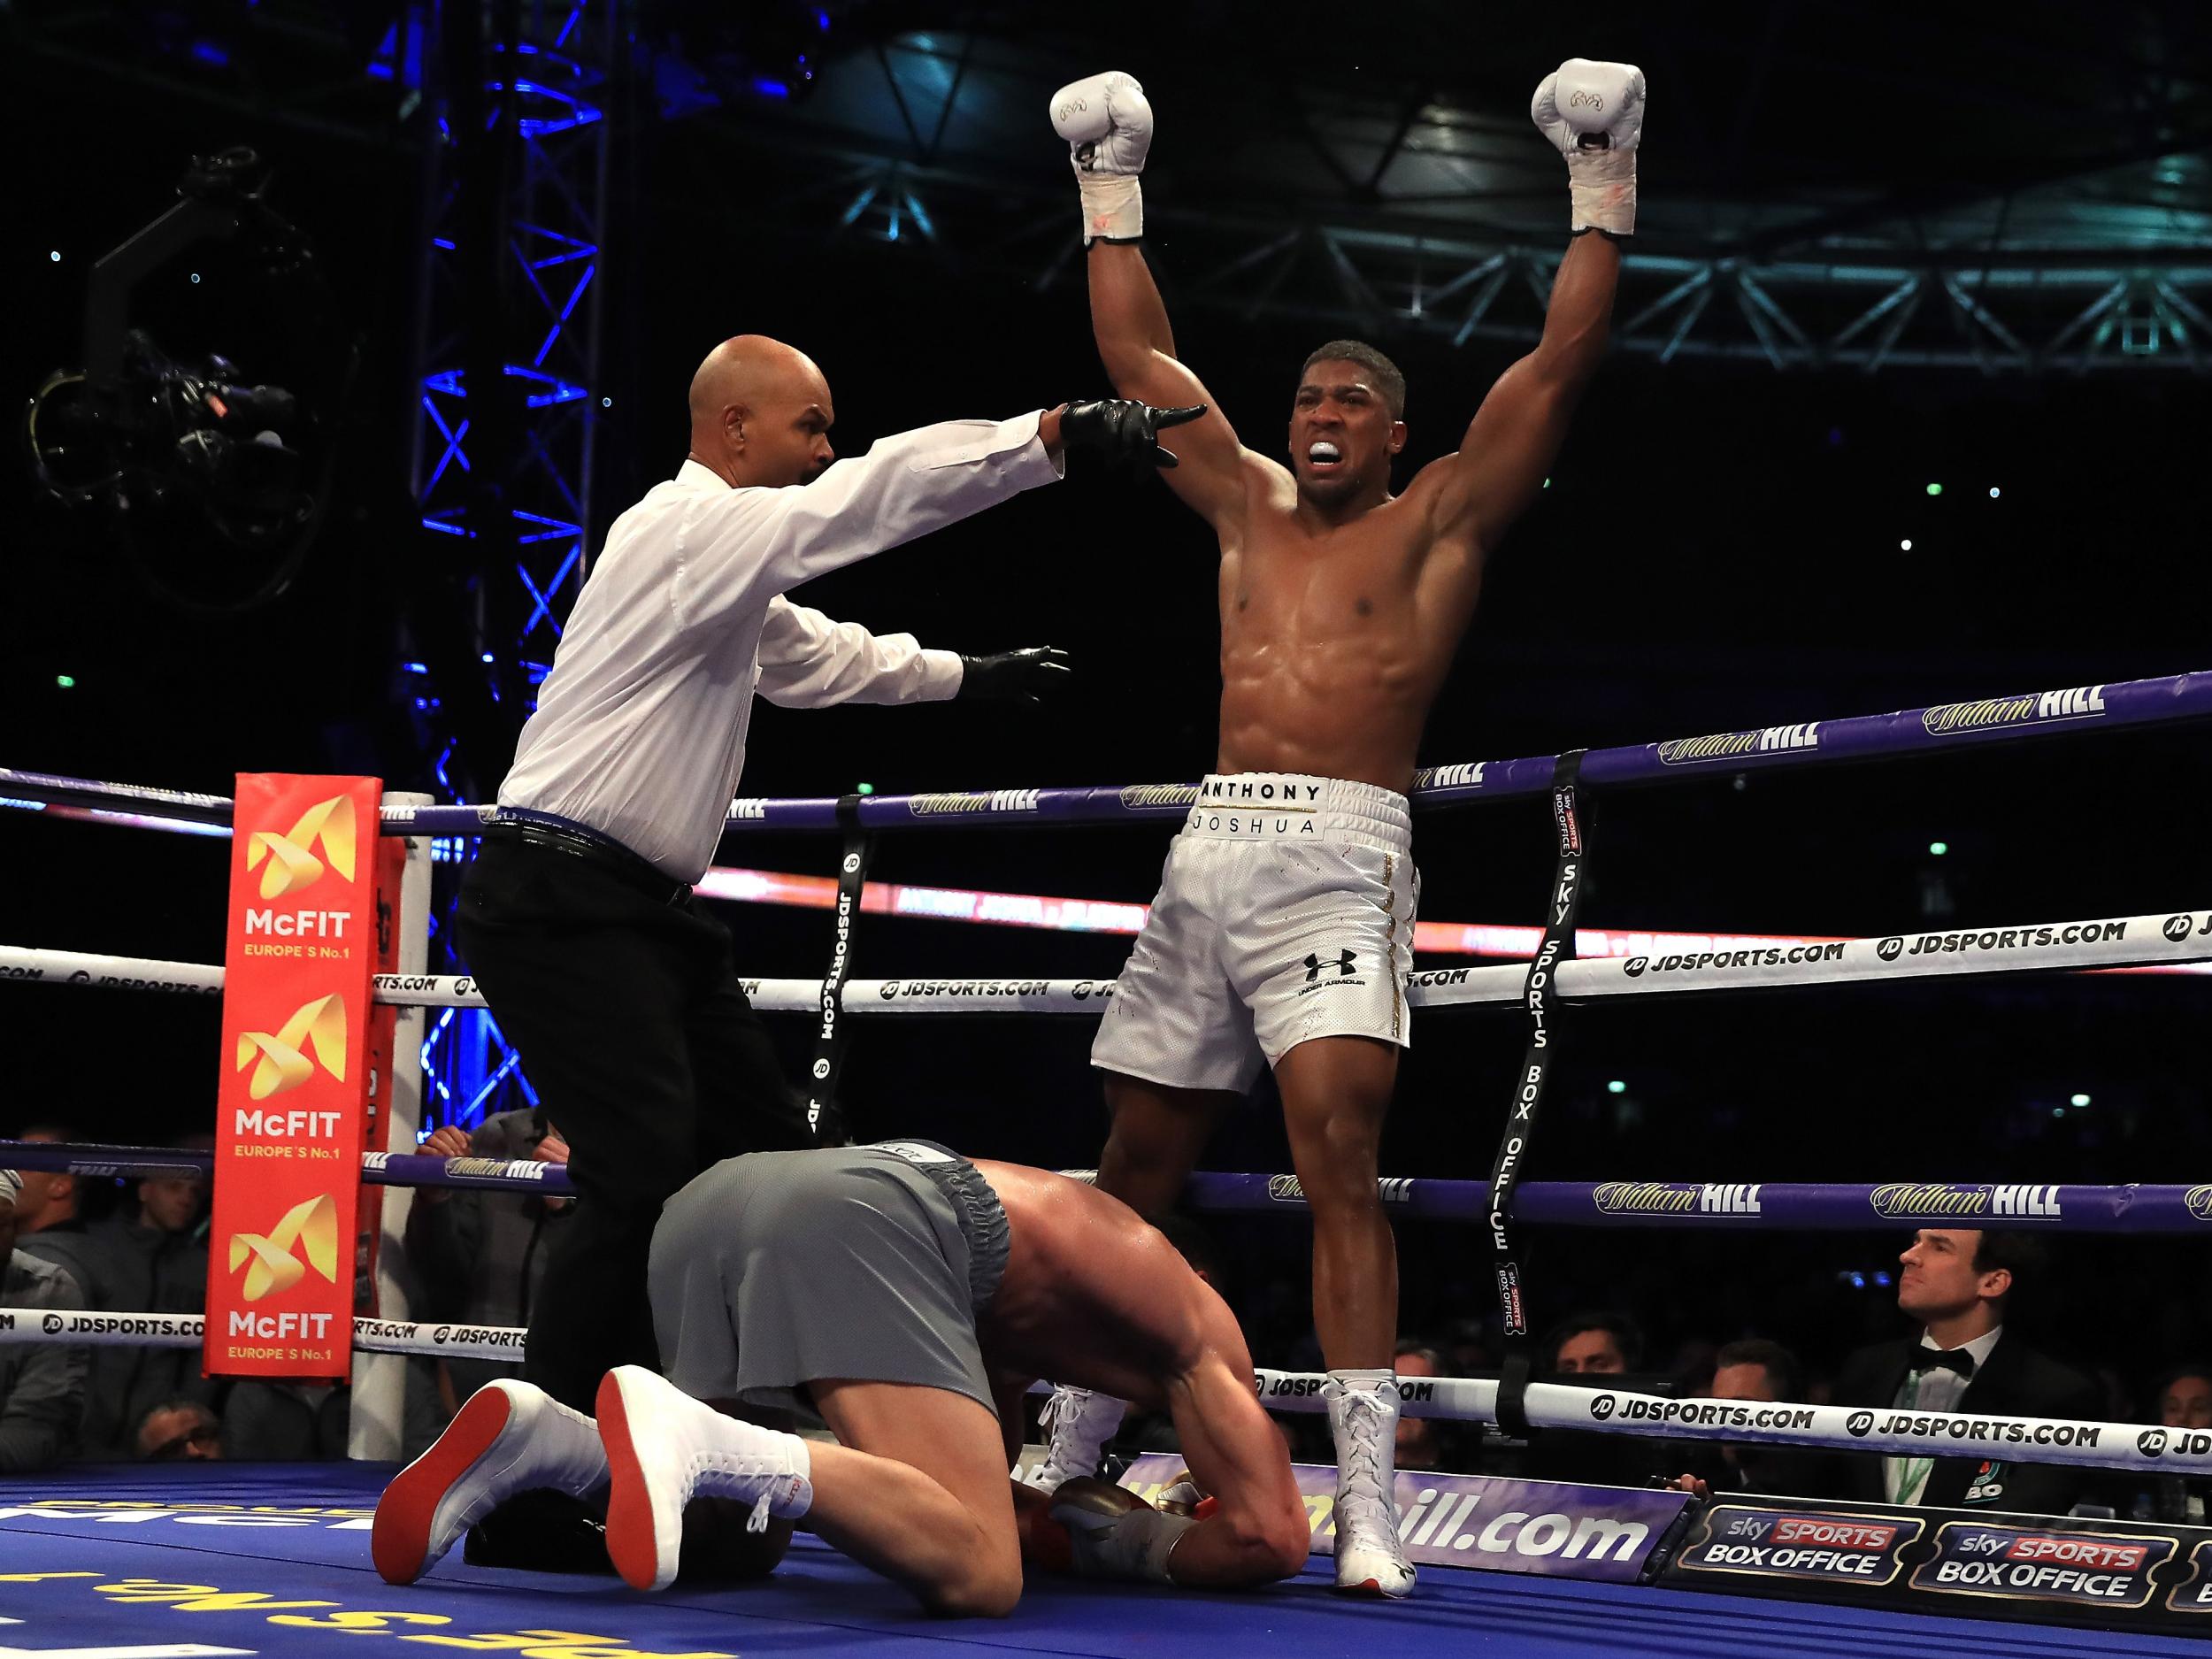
x,y
1309,683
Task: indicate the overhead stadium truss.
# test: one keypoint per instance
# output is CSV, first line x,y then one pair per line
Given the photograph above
x,y
1828,184
2086,250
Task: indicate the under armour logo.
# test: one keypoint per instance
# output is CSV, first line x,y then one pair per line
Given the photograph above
x,y
1342,965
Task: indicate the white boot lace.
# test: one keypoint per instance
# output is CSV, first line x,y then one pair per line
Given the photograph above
x,y
1075,1441
740,1475
1359,1445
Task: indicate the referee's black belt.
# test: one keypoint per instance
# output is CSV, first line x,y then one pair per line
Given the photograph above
x,y
603,853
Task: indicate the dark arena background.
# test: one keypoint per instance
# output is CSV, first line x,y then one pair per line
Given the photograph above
x,y
1907,404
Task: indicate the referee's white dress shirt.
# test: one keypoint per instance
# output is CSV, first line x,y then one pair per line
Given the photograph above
x,y
640,730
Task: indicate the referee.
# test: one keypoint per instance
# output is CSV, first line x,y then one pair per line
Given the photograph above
x,y
578,919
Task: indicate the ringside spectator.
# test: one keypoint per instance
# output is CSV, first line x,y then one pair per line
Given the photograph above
x,y
1585,1350
479,1256
42,1385
1424,1443
1957,1284
180,1430
2180,1398
1755,1369
153,1260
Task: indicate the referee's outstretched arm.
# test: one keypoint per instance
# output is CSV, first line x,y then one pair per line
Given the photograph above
x,y
742,547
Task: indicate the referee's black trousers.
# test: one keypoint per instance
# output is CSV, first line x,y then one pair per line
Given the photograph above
x,y
648,1060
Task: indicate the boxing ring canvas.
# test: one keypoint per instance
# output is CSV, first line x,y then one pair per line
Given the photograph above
x,y
273,1560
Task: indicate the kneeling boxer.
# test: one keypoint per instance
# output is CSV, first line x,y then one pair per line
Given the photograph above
x,y
909,1297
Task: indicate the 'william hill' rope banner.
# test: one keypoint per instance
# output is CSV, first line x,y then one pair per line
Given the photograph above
x,y
1729,1206
1940,726
299,949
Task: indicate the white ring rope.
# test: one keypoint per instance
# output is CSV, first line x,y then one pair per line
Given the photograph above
x,y
2145,1447
121,973
2139,1446
2180,936
185,1329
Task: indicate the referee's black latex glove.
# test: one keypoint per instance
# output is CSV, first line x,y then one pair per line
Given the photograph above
x,y
1119,430
1027,676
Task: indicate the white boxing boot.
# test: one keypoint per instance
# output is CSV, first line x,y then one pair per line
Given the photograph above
x,y
1081,1422
509,1437
664,1449
1363,1414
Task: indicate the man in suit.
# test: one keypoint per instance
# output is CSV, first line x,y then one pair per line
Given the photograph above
x,y
2181,1399
1754,1369
1957,1283
1596,1350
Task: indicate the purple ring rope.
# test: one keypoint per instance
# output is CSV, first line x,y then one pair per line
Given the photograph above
x,y
1779,1206
1906,732
1776,1206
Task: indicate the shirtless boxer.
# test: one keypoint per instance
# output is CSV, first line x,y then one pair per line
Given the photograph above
x,y
910,1297
1284,923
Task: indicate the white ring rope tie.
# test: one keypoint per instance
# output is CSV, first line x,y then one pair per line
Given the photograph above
x,y
2142,1447
2180,936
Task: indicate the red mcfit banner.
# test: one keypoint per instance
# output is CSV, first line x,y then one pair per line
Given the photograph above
x,y
300,947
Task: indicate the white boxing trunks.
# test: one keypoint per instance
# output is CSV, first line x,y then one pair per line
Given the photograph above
x,y
1286,912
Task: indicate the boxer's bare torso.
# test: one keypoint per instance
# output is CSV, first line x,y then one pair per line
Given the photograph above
x,y
1094,1296
1341,604
1336,632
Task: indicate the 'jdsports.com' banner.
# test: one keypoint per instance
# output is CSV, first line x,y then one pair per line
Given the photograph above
x,y
300,946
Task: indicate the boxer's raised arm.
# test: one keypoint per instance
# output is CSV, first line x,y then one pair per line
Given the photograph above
x,y
1108,123
1516,435
1594,113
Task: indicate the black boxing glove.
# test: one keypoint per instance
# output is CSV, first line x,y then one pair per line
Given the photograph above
x,y
1120,430
1024,676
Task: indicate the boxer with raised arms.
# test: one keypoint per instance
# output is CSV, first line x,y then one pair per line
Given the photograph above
x,y
1284,923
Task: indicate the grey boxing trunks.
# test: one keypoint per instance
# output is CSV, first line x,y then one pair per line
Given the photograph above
x,y
777,1268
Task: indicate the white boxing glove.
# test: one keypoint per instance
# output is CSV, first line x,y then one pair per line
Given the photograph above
x,y
1108,124
1595,113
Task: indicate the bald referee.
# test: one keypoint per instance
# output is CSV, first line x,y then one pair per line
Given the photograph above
x,y
578,917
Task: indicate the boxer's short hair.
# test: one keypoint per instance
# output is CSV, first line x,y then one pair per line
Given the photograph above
x,y
1389,379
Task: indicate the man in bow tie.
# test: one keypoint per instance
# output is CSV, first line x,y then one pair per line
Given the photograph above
x,y
1957,1283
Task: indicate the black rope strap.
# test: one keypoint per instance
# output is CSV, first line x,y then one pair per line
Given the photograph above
x,y
1540,1000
